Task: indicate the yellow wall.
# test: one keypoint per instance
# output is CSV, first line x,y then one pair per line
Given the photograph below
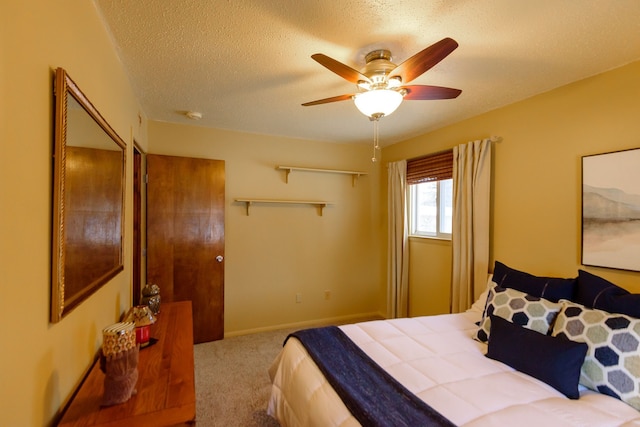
x,y
278,251
41,363
281,250
429,276
537,176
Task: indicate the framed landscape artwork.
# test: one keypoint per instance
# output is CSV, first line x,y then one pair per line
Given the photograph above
x,y
611,210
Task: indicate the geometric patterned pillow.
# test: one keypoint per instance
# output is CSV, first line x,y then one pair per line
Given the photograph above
x,y
612,364
519,308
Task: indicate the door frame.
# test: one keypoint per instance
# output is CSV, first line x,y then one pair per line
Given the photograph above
x,y
138,259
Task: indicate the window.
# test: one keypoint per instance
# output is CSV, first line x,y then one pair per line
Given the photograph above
x,y
430,186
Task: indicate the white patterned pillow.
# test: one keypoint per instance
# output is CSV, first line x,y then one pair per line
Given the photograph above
x,y
519,308
612,364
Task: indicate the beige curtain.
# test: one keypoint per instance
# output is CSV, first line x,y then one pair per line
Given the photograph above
x,y
398,262
470,234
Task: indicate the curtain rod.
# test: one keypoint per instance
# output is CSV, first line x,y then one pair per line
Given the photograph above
x,y
492,138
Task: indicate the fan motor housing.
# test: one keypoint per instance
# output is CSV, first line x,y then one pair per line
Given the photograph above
x,y
378,65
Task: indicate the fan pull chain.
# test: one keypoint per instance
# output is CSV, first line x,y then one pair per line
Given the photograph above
x,y
376,139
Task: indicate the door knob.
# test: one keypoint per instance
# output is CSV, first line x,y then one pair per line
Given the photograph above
x,y
219,258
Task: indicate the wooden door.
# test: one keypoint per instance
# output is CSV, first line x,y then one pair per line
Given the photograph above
x,y
185,237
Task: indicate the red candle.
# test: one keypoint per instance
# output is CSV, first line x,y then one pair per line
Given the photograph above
x,y
143,334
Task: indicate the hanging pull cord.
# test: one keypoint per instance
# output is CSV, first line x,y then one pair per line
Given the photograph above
x,y
376,139
375,118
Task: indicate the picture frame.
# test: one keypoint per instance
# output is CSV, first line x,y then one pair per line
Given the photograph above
x,y
611,210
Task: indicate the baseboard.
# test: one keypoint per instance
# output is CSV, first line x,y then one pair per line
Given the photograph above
x,y
340,320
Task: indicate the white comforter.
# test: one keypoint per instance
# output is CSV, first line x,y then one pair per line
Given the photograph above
x,y
436,358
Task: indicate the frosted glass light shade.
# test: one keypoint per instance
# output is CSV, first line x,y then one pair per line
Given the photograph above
x,y
379,101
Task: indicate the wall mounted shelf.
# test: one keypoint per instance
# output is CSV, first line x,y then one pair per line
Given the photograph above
x,y
354,174
319,203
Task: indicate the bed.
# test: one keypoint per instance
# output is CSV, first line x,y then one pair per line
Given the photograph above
x,y
445,362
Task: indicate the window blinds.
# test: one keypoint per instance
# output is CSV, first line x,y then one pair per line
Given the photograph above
x,y
434,167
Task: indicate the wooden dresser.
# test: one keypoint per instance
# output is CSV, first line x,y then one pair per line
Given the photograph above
x,y
166,386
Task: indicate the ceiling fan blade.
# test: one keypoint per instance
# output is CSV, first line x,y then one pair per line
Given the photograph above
x,y
327,100
424,60
340,69
420,92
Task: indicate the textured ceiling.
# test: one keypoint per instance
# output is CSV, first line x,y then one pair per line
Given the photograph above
x,y
246,65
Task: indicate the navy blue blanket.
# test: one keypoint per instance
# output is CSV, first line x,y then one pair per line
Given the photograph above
x,y
373,396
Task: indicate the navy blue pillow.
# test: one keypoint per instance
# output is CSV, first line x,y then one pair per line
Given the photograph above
x,y
595,292
550,288
554,360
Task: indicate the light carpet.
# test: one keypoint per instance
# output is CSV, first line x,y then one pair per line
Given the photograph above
x,y
232,380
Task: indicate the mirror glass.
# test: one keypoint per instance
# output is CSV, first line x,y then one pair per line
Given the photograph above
x,y
88,203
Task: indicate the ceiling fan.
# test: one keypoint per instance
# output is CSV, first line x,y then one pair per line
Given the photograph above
x,y
382,85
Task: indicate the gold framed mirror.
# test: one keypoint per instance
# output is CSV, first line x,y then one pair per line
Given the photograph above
x,y
88,199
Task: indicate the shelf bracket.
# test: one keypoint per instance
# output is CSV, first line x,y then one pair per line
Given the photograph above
x,y
248,203
354,178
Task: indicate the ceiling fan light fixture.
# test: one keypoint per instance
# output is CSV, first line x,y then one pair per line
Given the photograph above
x,y
364,85
394,82
380,102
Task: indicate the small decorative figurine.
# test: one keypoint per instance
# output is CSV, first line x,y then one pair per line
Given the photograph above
x,y
143,318
151,297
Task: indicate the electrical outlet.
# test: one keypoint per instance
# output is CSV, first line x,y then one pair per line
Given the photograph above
x,y
327,294
298,298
